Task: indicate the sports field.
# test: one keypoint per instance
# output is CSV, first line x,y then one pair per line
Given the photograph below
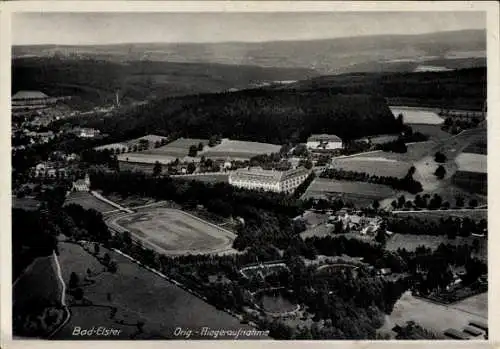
x,y
378,166
239,149
320,186
174,232
417,116
88,201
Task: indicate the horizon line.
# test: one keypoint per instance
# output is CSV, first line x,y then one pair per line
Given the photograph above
x,y
248,42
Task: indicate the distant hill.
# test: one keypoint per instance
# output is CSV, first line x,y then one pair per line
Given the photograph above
x,y
328,56
460,89
98,80
256,115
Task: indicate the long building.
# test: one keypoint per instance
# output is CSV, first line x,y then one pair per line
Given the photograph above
x,y
323,142
269,180
32,100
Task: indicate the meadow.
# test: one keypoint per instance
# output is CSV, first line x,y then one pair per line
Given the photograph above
x,y
375,166
131,295
469,162
417,116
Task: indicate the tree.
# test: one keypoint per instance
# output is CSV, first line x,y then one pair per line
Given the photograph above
x,y
157,169
439,157
376,204
440,172
308,164
106,259
473,203
74,280
394,204
400,119
191,167
193,150
200,146
300,150
78,293
381,237
459,201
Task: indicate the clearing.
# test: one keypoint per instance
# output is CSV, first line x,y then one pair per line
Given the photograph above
x,y
174,232
417,115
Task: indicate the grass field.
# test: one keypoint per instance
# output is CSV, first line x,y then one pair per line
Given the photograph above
x,y
378,166
417,116
476,214
208,178
415,152
88,201
411,242
433,131
137,295
175,232
239,149
436,317
469,162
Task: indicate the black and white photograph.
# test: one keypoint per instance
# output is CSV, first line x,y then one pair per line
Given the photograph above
x,y
225,175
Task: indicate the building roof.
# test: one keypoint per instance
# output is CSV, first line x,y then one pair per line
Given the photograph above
x,y
29,95
324,138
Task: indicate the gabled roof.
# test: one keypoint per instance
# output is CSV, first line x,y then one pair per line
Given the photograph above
x,y
324,138
29,95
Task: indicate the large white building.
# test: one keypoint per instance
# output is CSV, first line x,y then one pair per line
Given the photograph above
x,y
323,142
269,180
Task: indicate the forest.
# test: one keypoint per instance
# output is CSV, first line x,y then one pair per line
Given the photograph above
x,y
277,117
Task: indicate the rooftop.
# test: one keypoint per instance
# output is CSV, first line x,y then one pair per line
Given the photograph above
x,y
324,138
29,95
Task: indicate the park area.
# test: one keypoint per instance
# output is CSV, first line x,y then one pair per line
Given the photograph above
x,y
133,296
239,150
174,232
88,201
375,166
417,115
436,317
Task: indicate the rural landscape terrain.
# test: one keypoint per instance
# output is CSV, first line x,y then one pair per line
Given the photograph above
x,y
308,189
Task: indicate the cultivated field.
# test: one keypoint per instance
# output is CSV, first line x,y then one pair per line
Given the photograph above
x,y
88,201
469,162
436,317
239,149
135,294
378,166
179,147
417,116
174,232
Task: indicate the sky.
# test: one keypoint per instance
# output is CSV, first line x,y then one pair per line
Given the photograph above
x,y
107,28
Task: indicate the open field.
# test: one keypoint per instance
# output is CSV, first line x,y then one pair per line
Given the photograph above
x,y
436,317
469,162
174,232
359,193
152,139
377,166
88,201
435,215
42,274
208,178
417,116
479,147
415,152
239,149
136,294
411,242
433,131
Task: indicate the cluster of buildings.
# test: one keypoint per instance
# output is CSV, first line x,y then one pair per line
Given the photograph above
x,y
323,143
269,180
28,101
